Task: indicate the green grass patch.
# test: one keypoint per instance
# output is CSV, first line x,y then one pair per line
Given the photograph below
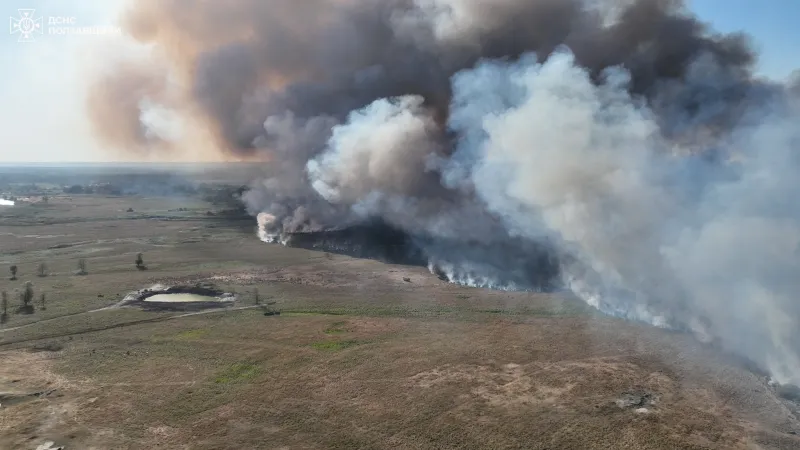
x,y
237,372
304,312
336,328
334,345
191,334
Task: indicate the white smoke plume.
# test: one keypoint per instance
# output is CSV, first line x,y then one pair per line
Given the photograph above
x,y
555,154
361,158
591,166
618,148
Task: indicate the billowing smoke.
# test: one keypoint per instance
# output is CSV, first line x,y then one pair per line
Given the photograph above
x,y
618,148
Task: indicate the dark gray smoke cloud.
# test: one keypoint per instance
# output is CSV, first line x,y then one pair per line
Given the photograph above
x,y
623,137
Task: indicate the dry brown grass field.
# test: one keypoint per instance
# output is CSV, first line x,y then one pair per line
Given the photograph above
x,y
357,358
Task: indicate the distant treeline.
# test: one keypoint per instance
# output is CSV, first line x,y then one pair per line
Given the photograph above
x,y
219,194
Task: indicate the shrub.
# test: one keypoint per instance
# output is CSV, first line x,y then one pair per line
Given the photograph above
x,y
140,262
4,307
27,294
26,298
82,267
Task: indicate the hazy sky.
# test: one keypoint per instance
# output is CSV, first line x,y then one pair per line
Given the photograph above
x,y
42,92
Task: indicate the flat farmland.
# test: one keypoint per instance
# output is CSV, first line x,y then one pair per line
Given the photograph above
x,y
363,354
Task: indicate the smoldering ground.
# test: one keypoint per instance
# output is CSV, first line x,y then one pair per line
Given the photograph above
x,y
624,138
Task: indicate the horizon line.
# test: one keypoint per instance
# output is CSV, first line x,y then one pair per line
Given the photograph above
x,y
31,163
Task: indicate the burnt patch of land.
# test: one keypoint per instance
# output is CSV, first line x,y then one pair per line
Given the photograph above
x,y
521,263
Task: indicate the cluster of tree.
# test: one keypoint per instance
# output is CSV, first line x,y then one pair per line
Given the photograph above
x,y
75,189
43,271
228,197
26,297
157,184
103,189
27,189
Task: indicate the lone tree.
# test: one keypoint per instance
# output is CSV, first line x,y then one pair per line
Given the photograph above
x,y
13,270
42,270
4,307
82,267
140,262
26,298
27,294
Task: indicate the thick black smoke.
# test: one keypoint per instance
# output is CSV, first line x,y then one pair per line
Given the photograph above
x,y
619,147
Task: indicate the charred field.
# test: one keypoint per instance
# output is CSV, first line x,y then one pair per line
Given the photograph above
x,y
370,350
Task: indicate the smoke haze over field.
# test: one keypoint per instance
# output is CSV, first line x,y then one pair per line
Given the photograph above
x,y
623,138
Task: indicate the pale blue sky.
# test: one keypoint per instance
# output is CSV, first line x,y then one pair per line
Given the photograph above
x,y
43,82
773,24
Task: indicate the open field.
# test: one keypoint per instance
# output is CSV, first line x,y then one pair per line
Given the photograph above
x,y
358,358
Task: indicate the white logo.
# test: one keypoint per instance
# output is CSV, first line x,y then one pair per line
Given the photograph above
x,y
26,25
